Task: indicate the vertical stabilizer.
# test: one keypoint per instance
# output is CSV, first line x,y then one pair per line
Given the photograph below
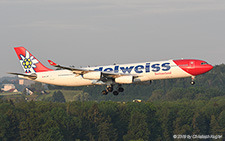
x,y
29,63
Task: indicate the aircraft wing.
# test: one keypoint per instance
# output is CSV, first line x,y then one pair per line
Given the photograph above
x,y
74,70
83,71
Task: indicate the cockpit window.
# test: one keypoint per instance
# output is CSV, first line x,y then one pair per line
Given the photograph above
x,y
204,63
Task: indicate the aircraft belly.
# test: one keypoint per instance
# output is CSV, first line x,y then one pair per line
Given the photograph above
x,y
72,81
65,79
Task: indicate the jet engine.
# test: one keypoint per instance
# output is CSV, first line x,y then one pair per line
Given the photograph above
x,y
93,75
124,79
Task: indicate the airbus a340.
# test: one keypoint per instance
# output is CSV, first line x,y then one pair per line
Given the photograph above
x,y
111,75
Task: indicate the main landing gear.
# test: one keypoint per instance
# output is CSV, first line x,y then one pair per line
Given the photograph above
x,y
110,89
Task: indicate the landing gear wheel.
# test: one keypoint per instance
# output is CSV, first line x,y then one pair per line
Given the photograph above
x,y
192,82
115,93
104,92
120,89
110,89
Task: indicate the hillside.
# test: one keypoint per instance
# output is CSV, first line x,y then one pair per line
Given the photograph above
x,y
70,95
173,109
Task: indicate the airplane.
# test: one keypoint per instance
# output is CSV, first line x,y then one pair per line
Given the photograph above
x,y
116,74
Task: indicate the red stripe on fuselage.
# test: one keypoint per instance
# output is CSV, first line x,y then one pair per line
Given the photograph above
x,y
193,66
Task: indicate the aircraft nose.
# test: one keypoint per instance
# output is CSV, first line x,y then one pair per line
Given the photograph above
x,y
209,67
205,68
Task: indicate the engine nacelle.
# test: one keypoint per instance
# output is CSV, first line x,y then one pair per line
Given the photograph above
x,y
93,75
124,79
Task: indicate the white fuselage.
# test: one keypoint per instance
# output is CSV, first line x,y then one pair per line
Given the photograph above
x,y
108,75
144,72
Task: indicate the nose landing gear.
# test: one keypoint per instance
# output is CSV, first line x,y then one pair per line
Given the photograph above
x,y
192,81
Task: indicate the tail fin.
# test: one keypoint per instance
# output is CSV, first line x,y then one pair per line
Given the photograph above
x,y
29,63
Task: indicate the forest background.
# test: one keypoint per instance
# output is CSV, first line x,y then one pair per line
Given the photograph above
x,y
171,109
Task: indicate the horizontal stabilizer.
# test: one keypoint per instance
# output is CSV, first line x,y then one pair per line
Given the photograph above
x,y
32,76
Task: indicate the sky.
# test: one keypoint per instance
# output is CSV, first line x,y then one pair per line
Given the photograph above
x,y
104,32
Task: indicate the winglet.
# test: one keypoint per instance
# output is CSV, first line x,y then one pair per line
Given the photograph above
x,y
52,63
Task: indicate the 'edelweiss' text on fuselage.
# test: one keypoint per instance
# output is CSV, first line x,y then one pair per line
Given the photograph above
x,y
148,67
